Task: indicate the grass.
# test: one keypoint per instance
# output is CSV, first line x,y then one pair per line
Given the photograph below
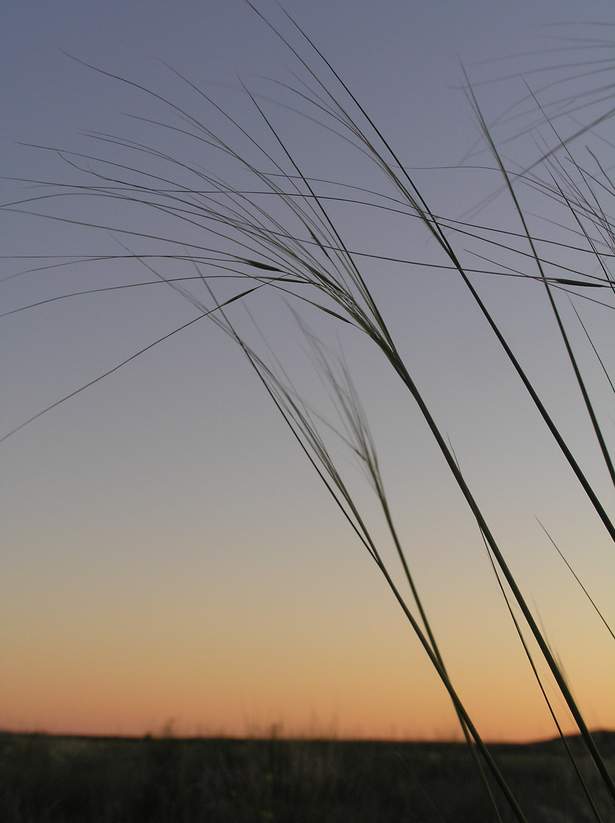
x,y
55,780
277,231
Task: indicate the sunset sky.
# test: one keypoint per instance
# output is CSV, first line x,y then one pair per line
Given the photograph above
x,y
168,552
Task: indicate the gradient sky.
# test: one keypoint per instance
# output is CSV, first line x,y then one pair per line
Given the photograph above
x,y
167,551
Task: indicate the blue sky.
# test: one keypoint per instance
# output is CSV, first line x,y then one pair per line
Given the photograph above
x,y
162,526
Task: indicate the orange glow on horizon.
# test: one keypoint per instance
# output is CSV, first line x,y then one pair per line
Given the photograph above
x,y
358,696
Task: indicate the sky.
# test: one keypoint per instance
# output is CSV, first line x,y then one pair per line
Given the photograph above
x,y
169,556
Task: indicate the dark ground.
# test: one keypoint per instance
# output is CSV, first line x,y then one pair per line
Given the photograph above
x,y
46,779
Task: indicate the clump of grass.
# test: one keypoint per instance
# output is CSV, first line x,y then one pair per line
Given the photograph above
x,y
296,249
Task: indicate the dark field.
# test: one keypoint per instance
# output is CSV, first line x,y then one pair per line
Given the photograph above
x,y
45,778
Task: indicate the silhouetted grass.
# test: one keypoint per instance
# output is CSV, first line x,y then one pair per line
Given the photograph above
x,y
47,779
297,249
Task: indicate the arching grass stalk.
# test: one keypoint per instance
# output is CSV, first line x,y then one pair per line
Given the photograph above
x,y
537,677
410,192
360,440
382,338
298,418
578,580
571,357
300,421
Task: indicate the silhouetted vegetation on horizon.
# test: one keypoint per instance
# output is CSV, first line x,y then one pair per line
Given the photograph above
x,y
49,779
